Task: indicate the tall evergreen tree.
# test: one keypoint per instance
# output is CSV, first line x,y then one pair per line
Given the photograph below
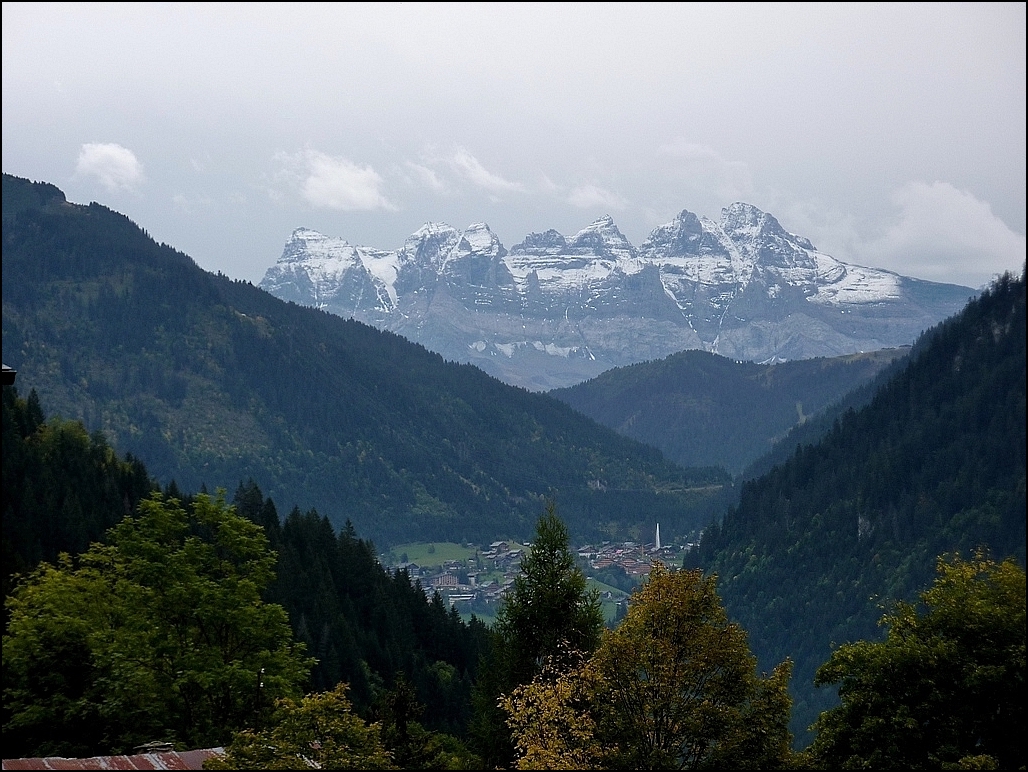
x,y
549,605
547,613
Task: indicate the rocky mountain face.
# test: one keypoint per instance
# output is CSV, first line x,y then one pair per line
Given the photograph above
x,y
556,310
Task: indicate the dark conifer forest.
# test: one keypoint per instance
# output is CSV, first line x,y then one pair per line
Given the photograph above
x,y
934,464
64,489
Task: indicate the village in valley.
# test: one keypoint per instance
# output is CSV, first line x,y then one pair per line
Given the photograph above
x,y
475,578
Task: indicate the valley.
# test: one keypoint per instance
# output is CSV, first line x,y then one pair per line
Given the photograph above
x,y
825,489
215,382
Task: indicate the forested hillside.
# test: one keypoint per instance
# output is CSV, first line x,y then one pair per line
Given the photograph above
x,y
213,381
363,625
934,464
702,409
64,489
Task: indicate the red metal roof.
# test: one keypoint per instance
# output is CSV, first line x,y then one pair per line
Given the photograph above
x,y
159,760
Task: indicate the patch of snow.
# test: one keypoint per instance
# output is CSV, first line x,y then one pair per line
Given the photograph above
x,y
852,284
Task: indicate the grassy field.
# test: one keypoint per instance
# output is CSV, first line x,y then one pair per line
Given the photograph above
x,y
427,555
432,555
591,583
609,606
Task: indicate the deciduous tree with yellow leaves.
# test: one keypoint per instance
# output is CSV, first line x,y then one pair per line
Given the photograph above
x,y
673,687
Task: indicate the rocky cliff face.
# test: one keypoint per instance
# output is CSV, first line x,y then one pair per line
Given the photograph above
x,y
557,310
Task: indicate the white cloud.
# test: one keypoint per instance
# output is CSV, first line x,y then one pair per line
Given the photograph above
x,y
588,196
473,171
548,186
332,182
116,167
429,178
833,232
946,234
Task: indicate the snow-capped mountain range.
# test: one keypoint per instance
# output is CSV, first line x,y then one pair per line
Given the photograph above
x,y
556,310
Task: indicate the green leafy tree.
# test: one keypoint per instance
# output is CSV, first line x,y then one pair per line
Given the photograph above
x,y
548,611
160,634
321,731
945,689
673,687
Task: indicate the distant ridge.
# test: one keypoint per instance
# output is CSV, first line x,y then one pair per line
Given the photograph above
x,y
556,310
699,408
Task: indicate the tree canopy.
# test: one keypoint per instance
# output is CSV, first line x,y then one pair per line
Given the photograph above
x,y
62,486
548,611
161,634
365,625
321,731
945,687
549,605
673,687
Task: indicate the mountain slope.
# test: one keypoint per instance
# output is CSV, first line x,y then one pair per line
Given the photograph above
x,y
703,409
63,489
934,464
211,381
556,310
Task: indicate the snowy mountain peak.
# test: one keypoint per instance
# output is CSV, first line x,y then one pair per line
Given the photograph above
x,y
741,219
606,221
431,229
685,235
556,310
308,234
548,243
478,239
746,222
305,242
602,238
429,245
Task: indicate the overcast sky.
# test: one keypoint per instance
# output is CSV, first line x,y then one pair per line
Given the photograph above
x,y
891,135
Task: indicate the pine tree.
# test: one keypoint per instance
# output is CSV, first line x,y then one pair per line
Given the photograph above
x,y
547,614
